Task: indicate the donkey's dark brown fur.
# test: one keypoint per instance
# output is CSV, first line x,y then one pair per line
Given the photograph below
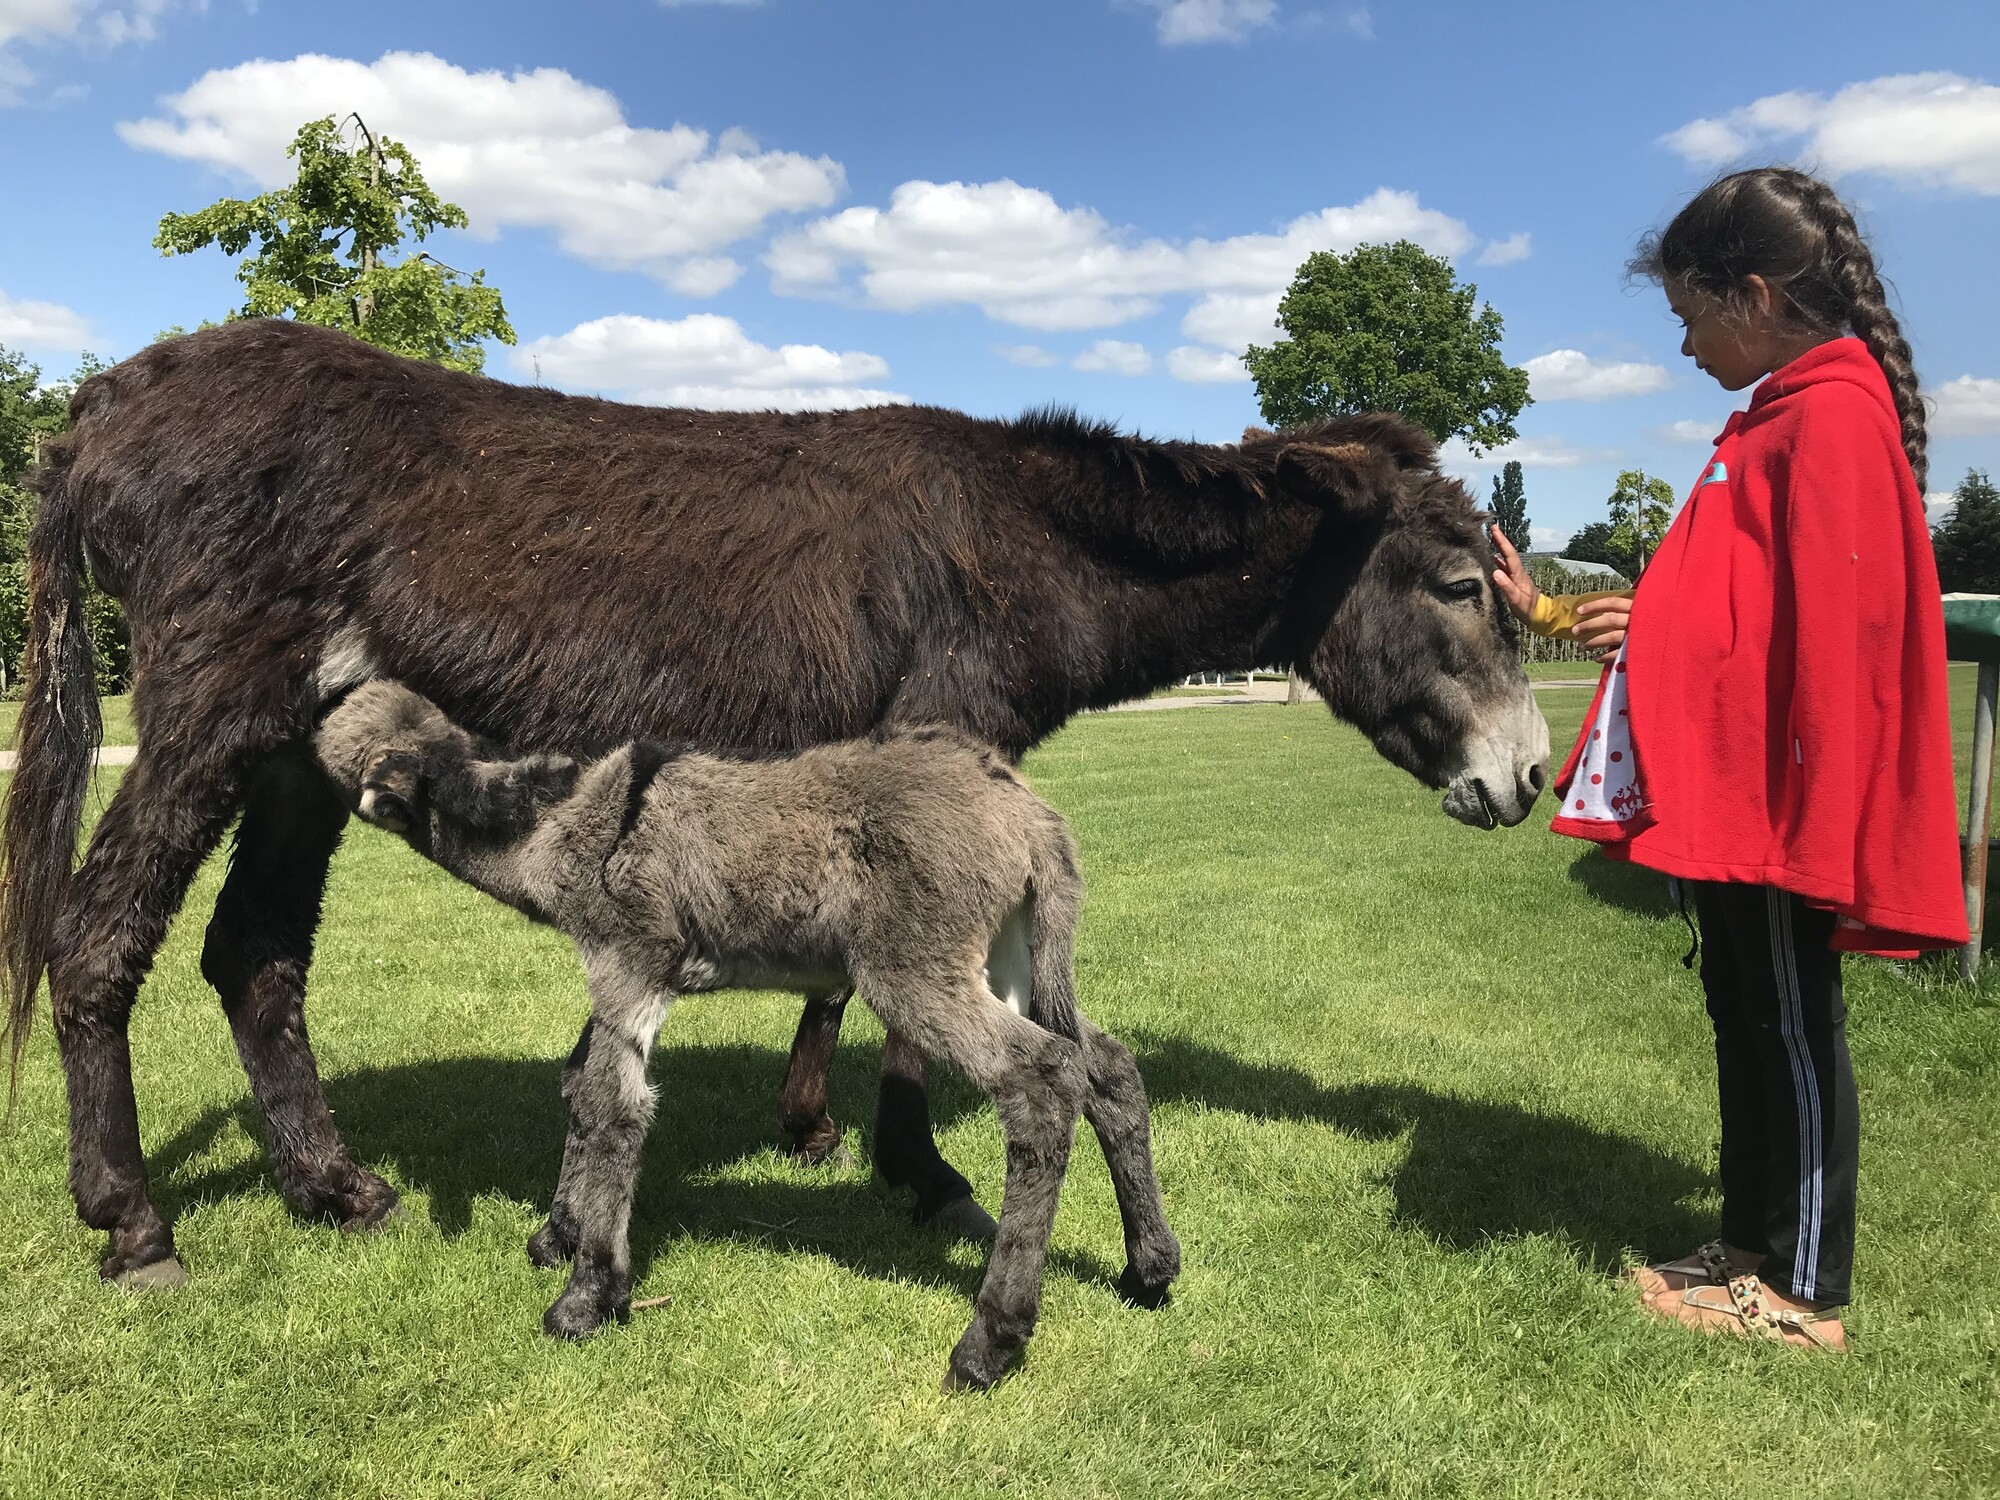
x,y
285,511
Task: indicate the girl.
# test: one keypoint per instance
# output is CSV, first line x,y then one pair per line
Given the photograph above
x,y
1772,730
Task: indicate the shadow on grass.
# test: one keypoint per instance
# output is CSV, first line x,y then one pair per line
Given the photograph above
x,y
462,1129
1475,1170
1638,890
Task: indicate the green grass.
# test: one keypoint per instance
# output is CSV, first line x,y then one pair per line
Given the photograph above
x,y
1567,671
1419,1092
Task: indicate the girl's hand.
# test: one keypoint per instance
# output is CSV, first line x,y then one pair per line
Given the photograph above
x,y
1510,576
1601,625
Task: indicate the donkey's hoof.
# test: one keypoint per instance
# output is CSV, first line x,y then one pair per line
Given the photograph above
x,y
579,1312
965,1219
1139,1292
550,1247
367,1203
152,1276
820,1148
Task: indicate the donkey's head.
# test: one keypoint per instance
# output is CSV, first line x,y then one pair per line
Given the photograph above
x,y
1406,639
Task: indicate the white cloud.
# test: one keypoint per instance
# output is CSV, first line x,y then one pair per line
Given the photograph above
x,y
704,361
1529,453
1920,129
1022,258
42,325
1185,22
1548,538
1689,430
1205,366
1114,357
1965,407
40,22
1572,375
1034,356
534,149
1516,247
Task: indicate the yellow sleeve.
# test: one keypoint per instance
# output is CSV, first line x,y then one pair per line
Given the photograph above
x,y
1555,614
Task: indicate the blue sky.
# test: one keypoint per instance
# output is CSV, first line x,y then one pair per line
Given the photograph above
x,y
987,206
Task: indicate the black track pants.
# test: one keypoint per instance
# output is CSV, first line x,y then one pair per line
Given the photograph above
x,y
1790,1127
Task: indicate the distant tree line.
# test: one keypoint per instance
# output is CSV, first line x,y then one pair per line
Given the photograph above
x,y
31,413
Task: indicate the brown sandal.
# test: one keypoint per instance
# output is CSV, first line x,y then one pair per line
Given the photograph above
x,y
1746,1308
1707,1265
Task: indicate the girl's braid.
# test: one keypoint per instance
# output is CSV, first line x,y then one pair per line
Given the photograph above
x,y
1852,268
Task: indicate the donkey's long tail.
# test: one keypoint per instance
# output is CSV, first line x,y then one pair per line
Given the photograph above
x,y
1058,893
59,733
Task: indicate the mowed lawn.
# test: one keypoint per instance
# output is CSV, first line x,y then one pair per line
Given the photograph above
x,y
1419,1093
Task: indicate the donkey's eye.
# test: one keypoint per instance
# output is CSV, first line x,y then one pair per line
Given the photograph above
x,y
1461,589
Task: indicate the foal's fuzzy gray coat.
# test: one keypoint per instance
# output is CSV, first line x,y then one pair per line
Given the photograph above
x,y
915,865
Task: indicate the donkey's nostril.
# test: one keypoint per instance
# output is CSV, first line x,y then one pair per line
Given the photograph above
x,y
1535,779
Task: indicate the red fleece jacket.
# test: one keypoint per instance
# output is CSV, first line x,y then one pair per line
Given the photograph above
x,y
1786,668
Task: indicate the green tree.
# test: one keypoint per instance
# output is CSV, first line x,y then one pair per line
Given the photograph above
x,y
1640,507
1510,505
1389,328
30,414
1967,542
1592,544
324,246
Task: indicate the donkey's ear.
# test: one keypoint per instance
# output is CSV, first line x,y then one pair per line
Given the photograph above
x,y
1354,461
1349,476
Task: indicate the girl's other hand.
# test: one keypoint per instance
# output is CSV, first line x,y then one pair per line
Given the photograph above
x,y
1601,625
1510,576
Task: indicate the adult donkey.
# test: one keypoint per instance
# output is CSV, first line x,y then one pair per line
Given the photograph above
x,y
286,512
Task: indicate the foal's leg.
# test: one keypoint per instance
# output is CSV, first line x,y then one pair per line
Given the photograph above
x,y
555,1242
259,945
802,1115
610,1108
1117,1111
1037,1082
166,815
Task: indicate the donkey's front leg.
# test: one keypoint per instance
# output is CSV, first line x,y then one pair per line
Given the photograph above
x,y
610,1108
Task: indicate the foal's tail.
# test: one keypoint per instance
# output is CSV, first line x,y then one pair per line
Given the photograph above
x,y
59,732
1058,893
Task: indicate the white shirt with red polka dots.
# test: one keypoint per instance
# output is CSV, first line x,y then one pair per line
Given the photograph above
x,y
1605,790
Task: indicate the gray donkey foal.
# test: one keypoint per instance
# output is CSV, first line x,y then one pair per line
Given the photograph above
x,y
916,866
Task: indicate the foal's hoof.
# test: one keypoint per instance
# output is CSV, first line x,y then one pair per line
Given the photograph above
x,y
1139,1292
551,1246
168,1273
580,1311
977,1363
965,1219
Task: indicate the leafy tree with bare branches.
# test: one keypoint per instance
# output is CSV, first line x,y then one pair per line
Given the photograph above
x,y
326,250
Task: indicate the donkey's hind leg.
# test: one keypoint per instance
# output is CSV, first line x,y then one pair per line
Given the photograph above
x,y
610,1108
1037,1083
259,945
802,1116
1117,1110
166,815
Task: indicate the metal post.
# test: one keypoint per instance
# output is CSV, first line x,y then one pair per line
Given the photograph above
x,y
1979,818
